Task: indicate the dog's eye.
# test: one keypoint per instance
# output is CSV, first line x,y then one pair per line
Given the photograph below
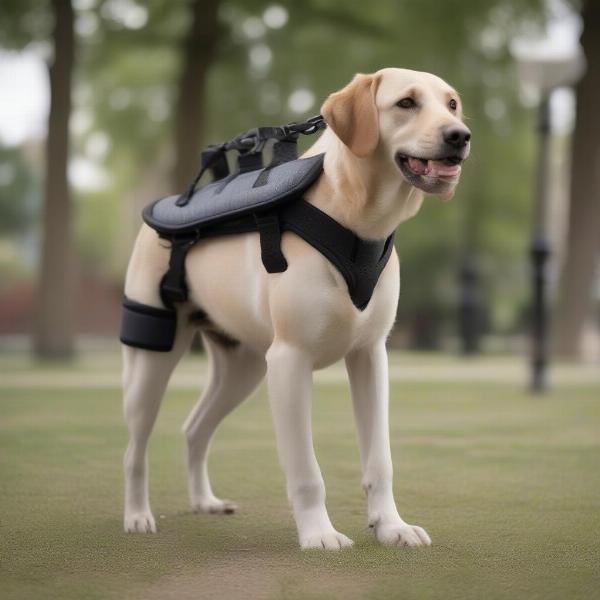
x,y
452,104
406,103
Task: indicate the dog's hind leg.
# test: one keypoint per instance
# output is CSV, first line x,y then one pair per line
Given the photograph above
x,y
235,373
145,378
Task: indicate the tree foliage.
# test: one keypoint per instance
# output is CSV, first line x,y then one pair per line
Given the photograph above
x,y
18,199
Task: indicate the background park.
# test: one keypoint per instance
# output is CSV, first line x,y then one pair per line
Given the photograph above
x,y
105,105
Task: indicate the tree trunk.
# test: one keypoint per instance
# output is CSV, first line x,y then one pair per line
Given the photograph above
x,y
197,54
54,326
583,242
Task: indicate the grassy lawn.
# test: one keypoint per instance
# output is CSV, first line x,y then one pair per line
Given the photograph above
x,y
508,487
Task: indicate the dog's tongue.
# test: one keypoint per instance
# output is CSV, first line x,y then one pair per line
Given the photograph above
x,y
437,168
417,165
432,168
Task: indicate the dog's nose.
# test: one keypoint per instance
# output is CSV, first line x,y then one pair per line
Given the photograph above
x,y
456,137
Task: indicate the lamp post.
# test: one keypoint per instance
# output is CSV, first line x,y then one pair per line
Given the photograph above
x,y
470,308
545,68
540,252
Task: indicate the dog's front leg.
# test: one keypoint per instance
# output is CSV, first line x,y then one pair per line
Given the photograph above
x,y
289,373
368,373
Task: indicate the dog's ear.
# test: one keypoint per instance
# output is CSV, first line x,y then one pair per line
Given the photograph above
x,y
352,115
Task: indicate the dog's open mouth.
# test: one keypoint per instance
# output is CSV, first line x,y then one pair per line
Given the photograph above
x,y
430,175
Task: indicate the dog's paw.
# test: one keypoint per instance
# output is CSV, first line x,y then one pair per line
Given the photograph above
x,y
401,534
214,506
139,522
326,540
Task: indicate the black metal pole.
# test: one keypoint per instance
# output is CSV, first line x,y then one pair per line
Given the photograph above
x,y
539,253
470,306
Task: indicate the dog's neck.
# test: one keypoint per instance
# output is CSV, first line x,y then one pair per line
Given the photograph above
x,y
367,195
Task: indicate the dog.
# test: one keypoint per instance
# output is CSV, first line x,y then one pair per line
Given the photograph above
x,y
392,137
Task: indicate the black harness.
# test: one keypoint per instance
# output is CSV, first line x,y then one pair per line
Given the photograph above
x,y
267,200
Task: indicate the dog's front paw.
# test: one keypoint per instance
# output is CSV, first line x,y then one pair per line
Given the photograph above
x,y
325,540
399,533
139,522
214,505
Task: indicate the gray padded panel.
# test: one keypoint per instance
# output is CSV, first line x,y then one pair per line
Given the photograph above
x,y
223,199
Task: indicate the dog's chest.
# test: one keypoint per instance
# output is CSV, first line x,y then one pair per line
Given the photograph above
x,y
334,326
378,318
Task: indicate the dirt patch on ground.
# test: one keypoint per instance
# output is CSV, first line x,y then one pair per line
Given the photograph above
x,y
243,576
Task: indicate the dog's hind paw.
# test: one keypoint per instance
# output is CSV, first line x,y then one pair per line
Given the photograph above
x,y
214,506
401,534
330,540
139,522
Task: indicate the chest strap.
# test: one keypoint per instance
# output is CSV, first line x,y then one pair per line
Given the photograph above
x,y
360,262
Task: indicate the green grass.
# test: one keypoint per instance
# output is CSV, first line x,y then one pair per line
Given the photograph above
x,y
507,485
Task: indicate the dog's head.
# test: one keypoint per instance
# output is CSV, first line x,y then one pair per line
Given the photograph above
x,y
411,119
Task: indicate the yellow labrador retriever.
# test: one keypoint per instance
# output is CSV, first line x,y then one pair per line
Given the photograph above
x,y
393,136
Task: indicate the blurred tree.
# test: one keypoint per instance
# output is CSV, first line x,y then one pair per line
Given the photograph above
x,y
17,211
197,53
583,241
22,23
54,327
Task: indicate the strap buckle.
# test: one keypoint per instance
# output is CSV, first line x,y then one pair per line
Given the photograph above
x,y
309,126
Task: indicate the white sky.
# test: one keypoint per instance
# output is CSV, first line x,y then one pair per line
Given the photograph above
x,y
24,97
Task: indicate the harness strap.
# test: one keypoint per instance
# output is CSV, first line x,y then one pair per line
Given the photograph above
x,y
270,243
218,166
250,145
212,158
359,261
251,161
173,287
285,150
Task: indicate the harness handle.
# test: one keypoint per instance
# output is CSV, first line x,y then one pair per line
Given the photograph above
x,y
247,143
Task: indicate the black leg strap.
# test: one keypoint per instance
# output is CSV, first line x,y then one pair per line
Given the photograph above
x,y
270,243
148,327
